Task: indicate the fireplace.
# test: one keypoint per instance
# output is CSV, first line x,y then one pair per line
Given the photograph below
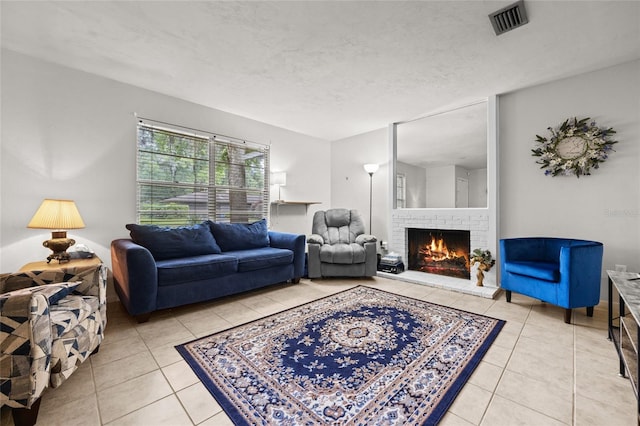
x,y
439,251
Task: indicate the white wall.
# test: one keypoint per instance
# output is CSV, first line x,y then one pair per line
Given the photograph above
x,y
478,188
460,192
70,134
603,206
350,183
441,187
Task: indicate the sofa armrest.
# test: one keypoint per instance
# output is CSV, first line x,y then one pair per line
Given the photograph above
x,y
25,347
371,258
581,257
580,272
135,276
293,242
91,281
314,264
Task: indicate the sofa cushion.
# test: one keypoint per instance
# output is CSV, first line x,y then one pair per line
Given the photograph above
x,y
254,259
195,268
171,243
548,271
240,236
342,253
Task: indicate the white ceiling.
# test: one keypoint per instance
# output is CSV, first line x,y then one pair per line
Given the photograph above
x,y
456,137
330,69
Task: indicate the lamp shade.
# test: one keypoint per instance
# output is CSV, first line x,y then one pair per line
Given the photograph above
x,y
279,178
57,214
371,168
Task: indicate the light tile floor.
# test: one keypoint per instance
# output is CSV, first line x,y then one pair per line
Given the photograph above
x,y
539,371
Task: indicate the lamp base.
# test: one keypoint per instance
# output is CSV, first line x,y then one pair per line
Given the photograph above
x,y
59,243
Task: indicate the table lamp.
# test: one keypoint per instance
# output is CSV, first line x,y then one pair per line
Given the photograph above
x,y
280,179
59,215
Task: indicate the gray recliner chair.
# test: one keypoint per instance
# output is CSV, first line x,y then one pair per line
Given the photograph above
x,y
339,246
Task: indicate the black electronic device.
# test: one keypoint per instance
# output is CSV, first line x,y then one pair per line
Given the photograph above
x,y
81,251
391,263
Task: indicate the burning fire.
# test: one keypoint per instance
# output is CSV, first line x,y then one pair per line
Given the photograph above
x,y
437,250
442,252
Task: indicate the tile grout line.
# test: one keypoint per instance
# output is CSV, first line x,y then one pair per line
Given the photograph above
x,y
504,369
140,375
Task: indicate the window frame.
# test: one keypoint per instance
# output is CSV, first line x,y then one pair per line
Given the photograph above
x,y
233,188
401,190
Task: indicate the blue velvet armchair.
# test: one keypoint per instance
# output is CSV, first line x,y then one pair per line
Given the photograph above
x,y
561,271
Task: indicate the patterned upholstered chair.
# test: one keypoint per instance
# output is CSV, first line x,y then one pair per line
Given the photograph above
x,y
339,246
51,322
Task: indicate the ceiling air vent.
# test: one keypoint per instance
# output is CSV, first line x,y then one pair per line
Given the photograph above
x,y
508,18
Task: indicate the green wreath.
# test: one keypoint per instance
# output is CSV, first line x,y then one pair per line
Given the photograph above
x,y
574,148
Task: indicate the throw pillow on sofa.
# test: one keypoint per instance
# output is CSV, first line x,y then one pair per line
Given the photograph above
x,y
240,236
169,243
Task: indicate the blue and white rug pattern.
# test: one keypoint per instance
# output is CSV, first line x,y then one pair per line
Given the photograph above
x,y
360,357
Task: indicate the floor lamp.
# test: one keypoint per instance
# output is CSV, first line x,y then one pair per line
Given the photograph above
x,y
371,169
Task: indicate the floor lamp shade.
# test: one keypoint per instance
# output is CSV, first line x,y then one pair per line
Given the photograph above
x,y
371,168
58,215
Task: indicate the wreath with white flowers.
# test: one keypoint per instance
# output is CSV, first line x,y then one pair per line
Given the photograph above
x,y
574,148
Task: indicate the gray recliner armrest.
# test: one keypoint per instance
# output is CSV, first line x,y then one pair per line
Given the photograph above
x,y
315,239
365,238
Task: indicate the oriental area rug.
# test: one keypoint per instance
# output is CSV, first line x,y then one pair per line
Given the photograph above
x,y
359,357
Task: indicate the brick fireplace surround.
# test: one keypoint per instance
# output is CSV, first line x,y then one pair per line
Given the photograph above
x,y
476,221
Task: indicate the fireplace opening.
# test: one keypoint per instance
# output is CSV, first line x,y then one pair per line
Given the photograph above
x,y
439,251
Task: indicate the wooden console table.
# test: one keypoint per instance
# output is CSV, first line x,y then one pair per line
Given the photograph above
x,y
624,331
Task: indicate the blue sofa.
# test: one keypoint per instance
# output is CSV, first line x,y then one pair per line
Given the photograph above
x,y
162,267
561,271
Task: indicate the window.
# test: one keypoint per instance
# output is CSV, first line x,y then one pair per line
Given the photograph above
x,y
185,177
401,191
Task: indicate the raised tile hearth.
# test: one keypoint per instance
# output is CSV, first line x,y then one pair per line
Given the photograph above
x,y
488,291
479,223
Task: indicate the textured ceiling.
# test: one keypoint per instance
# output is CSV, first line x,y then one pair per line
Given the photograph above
x,y
326,69
456,137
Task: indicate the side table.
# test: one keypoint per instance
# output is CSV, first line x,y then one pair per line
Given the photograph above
x,y
624,330
76,267
81,264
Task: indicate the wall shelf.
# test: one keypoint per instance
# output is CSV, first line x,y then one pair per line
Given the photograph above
x,y
306,204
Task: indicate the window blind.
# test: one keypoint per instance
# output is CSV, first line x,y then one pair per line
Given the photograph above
x,y
186,177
